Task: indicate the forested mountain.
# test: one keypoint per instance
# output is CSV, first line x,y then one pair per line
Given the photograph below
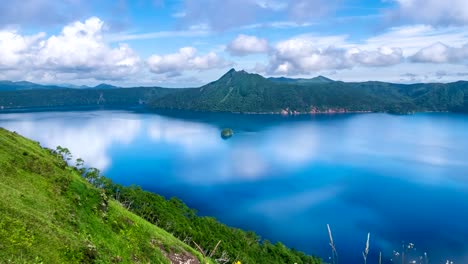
x,y
239,91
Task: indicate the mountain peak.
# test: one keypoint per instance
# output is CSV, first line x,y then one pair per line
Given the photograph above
x,y
233,76
105,86
233,71
322,78
301,81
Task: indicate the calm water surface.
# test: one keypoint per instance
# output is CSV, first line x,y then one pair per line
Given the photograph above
x,y
402,178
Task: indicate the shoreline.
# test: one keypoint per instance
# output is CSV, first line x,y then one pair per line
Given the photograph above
x,y
283,112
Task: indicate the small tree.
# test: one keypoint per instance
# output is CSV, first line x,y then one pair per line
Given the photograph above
x,y
79,162
64,152
94,177
79,165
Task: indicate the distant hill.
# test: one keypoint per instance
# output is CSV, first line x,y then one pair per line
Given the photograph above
x,y
66,97
23,85
316,80
104,86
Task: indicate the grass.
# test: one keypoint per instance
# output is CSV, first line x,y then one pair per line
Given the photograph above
x,y
50,214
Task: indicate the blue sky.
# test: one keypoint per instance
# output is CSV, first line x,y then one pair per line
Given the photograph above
x,y
183,43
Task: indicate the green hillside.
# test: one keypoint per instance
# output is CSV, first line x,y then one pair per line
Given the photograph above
x,y
55,213
239,91
49,214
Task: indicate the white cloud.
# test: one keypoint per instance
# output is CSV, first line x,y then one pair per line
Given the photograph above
x,y
435,12
245,45
193,138
193,32
15,48
415,37
80,47
303,55
275,5
77,52
383,56
441,53
185,59
40,12
179,14
306,10
306,54
221,15
278,25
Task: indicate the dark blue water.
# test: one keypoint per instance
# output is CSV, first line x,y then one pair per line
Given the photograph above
x,y
404,179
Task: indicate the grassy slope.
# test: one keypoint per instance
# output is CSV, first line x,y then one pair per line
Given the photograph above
x,y
50,214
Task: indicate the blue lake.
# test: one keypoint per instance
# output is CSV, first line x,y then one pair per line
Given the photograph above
x,y
404,179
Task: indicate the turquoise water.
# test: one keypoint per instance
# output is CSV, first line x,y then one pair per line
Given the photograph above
x,y
404,179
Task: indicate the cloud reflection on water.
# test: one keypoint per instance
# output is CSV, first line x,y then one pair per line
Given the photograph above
x,y
88,138
192,137
250,156
294,205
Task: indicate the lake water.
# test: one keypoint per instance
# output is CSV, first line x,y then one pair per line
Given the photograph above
x,y
404,179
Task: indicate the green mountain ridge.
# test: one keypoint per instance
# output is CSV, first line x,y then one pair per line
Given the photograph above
x,y
239,91
315,80
242,92
55,213
105,86
24,85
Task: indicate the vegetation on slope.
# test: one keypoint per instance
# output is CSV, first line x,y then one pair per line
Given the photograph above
x,y
244,92
51,214
452,97
239,91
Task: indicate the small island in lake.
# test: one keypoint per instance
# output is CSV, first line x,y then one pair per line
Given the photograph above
x,y
227,133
